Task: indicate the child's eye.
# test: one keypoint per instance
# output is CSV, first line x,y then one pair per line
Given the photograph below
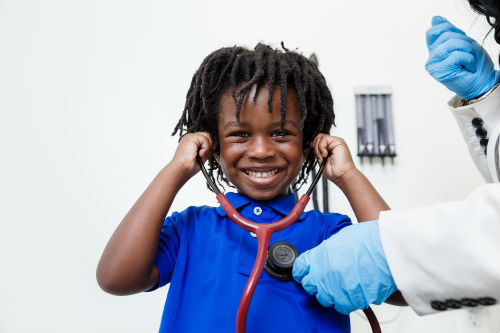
x,y
280,133
240,134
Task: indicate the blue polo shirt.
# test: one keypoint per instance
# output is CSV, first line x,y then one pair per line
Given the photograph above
x,y
207,260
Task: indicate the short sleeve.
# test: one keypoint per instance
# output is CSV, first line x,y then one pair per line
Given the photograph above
x,y
168,246
334,223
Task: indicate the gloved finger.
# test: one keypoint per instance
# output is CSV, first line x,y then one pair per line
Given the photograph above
x,y
457,63
445,36
445,49
301,267
344,309
433,33
353,297
460,58
438,20
324,298
309,285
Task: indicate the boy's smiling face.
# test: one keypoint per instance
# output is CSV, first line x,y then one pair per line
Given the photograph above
x,y
258,156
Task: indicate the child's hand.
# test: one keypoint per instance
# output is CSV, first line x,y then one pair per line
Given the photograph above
x,y
340,162
185,155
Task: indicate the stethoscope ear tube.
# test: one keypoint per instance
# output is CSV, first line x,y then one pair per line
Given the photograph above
x,y
207,176
264,232
316,178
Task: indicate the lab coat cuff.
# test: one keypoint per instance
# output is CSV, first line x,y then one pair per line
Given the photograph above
x,y
402,270
487,109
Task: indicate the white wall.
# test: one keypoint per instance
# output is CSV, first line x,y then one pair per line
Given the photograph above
x,y
90,92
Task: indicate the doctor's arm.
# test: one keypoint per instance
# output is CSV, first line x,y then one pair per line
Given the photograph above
x,y
446,253
463,66
354,271
440,257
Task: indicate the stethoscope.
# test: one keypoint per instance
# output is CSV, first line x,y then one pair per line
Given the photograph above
x,y
279,259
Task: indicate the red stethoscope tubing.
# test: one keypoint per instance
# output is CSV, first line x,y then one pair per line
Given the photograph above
x,y
264,232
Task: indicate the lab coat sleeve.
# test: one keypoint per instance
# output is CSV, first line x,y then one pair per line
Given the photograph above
x,y
486,108
445,251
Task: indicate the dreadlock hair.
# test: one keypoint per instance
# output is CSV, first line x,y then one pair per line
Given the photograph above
x,y
490,9
237,69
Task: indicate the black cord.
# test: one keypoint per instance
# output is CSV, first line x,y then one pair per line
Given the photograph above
x,y
207,176
326,206
316,179
315,191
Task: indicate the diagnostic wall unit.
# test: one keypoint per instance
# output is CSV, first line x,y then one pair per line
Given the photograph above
x,y
374,122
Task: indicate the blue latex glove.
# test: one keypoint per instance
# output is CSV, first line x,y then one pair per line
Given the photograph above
x,y
348,270
458,61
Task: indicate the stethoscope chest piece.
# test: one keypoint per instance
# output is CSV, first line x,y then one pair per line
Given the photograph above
x,y
279,261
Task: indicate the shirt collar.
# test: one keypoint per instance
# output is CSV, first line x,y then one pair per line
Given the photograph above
x,y
283,205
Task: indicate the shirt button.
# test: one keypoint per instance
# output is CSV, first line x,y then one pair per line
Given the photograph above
x,y
481,132
487,301
468,302
257,210
437,305
483,142
477,122
453,304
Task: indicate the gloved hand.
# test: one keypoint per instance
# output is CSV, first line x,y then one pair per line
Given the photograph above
x,y
347,270
458,61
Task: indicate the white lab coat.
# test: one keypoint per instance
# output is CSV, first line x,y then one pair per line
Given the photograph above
x,y
451,250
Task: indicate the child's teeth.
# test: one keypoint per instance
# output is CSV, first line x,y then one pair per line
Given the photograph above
x,y
264,174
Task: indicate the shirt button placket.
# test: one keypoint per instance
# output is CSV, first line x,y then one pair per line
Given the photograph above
x,y
257,211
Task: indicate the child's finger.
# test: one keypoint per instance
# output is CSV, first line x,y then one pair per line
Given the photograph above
x,y
206,146
324,145
316,149
333,142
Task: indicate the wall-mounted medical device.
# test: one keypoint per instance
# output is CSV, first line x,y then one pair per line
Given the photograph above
x,y
374,122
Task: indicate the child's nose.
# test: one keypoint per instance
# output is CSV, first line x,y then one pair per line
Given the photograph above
x,y
260,148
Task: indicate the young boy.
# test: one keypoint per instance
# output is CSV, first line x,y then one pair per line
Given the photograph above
x,y
261,118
